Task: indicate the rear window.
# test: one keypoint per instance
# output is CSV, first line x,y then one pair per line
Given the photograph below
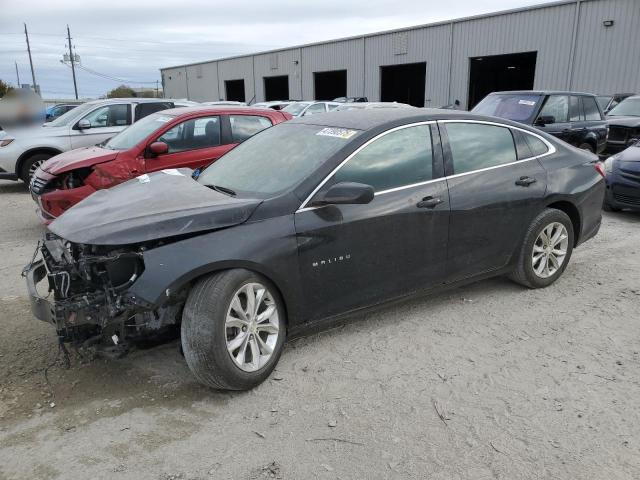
x,y
591,111
519,108
245,126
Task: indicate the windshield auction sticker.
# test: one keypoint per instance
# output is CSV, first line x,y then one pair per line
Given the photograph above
x,y
337,132
526,102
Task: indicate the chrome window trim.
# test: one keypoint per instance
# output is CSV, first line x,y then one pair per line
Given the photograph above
x,y
551,149
303,206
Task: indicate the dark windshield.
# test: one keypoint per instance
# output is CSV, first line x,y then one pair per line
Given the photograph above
x,y
519,108
276,159
136,133
629,106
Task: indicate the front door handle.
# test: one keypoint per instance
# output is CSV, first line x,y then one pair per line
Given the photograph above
x,y
429,202
525,181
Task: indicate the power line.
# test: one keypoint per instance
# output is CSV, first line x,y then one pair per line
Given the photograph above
x,y
108,77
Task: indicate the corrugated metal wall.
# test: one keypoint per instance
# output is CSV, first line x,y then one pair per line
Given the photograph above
x,y
275,64
607,59
430,45
602,59
547,31
342,55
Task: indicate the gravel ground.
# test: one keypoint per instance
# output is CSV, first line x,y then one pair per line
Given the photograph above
x,y
486,381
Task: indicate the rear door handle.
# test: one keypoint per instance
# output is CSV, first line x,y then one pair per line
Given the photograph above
x,y
429,202
525,181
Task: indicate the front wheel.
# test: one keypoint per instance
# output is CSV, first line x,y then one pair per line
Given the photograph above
x,y
546,249
233,329
31,164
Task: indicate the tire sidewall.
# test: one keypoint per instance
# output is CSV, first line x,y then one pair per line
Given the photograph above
x,y
542,221
211,352
26,165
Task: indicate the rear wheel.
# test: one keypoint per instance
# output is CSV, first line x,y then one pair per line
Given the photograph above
x,y
546,249
31,164
233,329
587,146
607,207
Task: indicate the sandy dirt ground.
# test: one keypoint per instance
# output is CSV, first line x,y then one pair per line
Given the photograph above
x,y
490,381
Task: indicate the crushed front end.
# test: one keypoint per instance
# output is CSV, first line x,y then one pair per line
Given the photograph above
x,y
82,290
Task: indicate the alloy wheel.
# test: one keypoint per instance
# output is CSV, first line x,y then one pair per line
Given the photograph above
x,y
550,250
252,327
34,166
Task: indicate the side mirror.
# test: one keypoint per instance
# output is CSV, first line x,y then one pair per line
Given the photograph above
x,y
545,120
158,148
84,124
346,193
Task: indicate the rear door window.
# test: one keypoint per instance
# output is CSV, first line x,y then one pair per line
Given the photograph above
x,y
245,126
144,109
591,111
575,109
400,158
556,106
475,146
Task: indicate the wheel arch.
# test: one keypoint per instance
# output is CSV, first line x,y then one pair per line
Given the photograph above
x,y
34,151
574,215
190,279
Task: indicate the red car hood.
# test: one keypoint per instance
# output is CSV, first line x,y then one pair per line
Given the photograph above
x,y
78,158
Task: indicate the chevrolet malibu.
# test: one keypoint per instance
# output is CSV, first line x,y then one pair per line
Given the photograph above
x,y
191,137
308,222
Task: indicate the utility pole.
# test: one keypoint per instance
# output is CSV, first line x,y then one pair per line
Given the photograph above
x,y
17,74
33,74
73,67
157,96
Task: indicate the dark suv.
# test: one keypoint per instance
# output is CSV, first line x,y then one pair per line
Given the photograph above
x,y
573,117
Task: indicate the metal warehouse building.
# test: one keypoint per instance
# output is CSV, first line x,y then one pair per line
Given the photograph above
x,y
583,45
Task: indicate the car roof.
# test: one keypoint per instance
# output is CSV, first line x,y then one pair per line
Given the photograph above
x,y
541,92
217,110
366,119
130,99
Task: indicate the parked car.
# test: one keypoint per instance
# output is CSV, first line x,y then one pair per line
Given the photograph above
x,y
223,103
573,117
23,151
351,99
300,109
624,124
309,221
190,137
623,179
56,111
607,102
370,105
275,105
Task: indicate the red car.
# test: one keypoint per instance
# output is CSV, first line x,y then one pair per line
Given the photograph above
x,y
192,137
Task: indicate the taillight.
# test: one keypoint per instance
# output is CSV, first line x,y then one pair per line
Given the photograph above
x,y
599,166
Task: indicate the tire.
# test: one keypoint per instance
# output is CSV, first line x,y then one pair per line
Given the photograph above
x,y
206,333
587,146
607,207
31,164
524,272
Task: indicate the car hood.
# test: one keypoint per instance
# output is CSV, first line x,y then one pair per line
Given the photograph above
x,y
624,121
630,155
160,205
78,158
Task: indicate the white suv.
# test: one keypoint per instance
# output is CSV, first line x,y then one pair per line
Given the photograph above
x,y
23,151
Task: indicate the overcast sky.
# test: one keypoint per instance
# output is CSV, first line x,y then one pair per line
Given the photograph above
x,y
131,40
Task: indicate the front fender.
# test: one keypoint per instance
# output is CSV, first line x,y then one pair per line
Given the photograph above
x,y
267,247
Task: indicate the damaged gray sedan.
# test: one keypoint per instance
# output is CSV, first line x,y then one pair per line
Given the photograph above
x,y
310,221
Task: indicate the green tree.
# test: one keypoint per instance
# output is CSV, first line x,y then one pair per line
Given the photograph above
x,y
123,91
4,88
